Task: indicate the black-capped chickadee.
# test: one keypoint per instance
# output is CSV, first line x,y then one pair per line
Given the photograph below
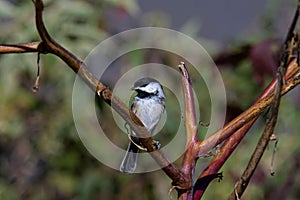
x,y
148,105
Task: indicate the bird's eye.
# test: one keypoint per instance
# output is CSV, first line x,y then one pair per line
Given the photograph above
x,y
143,94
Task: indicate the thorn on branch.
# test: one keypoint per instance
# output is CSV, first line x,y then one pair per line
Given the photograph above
x,y
202,183
104,93
235,191
273,138
36,85
203,124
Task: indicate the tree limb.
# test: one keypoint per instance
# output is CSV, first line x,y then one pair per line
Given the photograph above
x,y
48,45
191,126
286,55
232,142
202,147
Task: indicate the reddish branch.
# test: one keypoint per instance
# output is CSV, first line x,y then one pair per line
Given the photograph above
x,y
232,142
255,110
191,126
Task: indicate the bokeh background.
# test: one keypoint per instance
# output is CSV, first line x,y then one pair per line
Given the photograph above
x,y
41,155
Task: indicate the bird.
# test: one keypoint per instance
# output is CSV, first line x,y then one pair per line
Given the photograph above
x,y
148,105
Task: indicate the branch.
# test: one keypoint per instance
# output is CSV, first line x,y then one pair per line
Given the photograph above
x,y
19,48
191,125
48,45
232,142
286,54
204,146
262,144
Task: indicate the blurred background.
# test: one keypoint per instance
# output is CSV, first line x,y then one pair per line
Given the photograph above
x,y
41,155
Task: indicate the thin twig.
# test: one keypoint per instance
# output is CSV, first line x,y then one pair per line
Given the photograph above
x,y
272,170
271,122
36,85
19,48
261,146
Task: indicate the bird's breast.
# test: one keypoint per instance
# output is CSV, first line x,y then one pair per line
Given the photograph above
x,y
149,112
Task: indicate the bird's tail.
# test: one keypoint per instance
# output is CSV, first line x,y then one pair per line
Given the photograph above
x,y
129,162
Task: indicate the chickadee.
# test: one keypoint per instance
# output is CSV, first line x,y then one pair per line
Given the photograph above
x,y
148,105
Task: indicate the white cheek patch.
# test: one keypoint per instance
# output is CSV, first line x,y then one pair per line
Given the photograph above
x,y
152,87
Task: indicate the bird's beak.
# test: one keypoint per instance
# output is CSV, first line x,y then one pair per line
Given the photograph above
x,y
133,88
